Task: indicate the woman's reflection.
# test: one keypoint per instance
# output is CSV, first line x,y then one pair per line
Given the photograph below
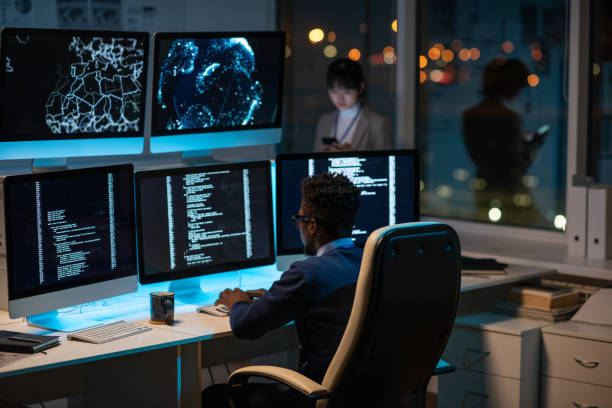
x,y
501,151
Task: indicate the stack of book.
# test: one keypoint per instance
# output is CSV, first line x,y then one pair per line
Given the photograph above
x,y
540,302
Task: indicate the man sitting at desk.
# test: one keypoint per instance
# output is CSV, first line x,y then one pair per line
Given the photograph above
x,y
316,293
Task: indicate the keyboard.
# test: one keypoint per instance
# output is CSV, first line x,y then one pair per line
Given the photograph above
x,y
108,332
219,310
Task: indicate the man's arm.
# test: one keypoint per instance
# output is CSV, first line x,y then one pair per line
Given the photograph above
x,y
286,300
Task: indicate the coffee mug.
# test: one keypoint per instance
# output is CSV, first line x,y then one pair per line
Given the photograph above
x,y
162,307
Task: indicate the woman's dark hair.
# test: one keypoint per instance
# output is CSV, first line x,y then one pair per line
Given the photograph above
x,y
333,200
345,73
504,78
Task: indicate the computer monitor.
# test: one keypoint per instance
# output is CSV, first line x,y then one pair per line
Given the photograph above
x,y
66,93
70,239
389,181
201,220
216,90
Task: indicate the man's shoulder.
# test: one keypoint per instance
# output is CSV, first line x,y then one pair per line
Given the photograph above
x,y
337,255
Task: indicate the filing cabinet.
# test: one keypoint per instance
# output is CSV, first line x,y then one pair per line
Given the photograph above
x,y
497,361
576,365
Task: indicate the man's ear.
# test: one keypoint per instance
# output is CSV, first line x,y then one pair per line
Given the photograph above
x,y
313,227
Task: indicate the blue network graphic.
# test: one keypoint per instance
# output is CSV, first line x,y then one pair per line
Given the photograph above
x,y
209,83
102,92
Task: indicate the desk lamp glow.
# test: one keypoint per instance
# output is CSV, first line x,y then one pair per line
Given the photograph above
x,y
67,93
195,221
70,239
216,90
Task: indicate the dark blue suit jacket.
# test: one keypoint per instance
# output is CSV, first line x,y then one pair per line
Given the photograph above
x,y
317,294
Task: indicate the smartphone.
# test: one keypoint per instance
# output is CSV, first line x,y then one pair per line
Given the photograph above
x,y
543,130
329,140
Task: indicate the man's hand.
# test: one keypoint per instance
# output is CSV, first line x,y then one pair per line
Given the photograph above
x,y
254,294
228,297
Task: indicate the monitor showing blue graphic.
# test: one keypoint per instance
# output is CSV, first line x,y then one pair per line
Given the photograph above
x,y
200,220
66,93
70,237
214,90
389,181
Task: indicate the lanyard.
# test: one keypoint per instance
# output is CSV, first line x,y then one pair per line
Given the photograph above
x,y
349,126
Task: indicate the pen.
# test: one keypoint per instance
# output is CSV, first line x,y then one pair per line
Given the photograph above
x,y
24,339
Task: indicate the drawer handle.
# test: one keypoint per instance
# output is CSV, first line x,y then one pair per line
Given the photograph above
x,y
482,397
483,355
587,364
579,405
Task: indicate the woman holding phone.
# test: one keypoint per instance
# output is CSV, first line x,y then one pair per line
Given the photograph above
x,y
353,125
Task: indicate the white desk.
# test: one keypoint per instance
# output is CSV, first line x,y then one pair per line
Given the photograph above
x,y
142,370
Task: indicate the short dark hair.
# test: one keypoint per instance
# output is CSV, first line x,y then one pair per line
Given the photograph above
x,y
504,77
346,73
333,200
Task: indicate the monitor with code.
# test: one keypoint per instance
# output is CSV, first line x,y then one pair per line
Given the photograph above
x,y
389,181
201,220
67,232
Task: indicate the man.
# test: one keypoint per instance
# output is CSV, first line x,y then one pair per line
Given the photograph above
x,y
316,293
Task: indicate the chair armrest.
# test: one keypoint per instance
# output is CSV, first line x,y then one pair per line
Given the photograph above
x,y
291,378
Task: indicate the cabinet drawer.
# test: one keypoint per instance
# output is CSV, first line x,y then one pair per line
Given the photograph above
x,y
484,351
467,389
563,393
577,359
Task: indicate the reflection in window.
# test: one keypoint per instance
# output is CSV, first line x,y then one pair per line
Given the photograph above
x,y
492,110
600,96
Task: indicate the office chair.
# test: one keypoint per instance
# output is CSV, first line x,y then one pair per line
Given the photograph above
x,y
402,315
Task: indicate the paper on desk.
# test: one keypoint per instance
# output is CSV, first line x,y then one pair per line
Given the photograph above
x,y
596,309
7,358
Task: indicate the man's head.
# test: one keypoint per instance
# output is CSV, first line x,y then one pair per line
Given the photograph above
x,y
330,202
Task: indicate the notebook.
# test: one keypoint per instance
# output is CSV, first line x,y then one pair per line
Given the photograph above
x,y
17,342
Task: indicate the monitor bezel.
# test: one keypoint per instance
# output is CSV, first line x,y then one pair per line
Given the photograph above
x,y
321,155
157,37
86,136
202,270
30,178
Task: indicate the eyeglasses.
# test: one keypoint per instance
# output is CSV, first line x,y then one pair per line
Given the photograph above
x,y
300,218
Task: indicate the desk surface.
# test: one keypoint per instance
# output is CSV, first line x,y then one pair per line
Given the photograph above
x,y
190,326
76,352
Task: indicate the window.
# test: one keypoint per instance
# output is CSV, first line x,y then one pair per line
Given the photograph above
x,y
600,93
320,31
492,106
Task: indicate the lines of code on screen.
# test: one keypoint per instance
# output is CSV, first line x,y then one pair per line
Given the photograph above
x,y
387,186
207,218
70,230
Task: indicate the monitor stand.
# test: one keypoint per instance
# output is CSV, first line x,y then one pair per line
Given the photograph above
x,y
197,158
50,164
63,322
188,291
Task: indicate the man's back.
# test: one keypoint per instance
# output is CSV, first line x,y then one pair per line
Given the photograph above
x,y
317,294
